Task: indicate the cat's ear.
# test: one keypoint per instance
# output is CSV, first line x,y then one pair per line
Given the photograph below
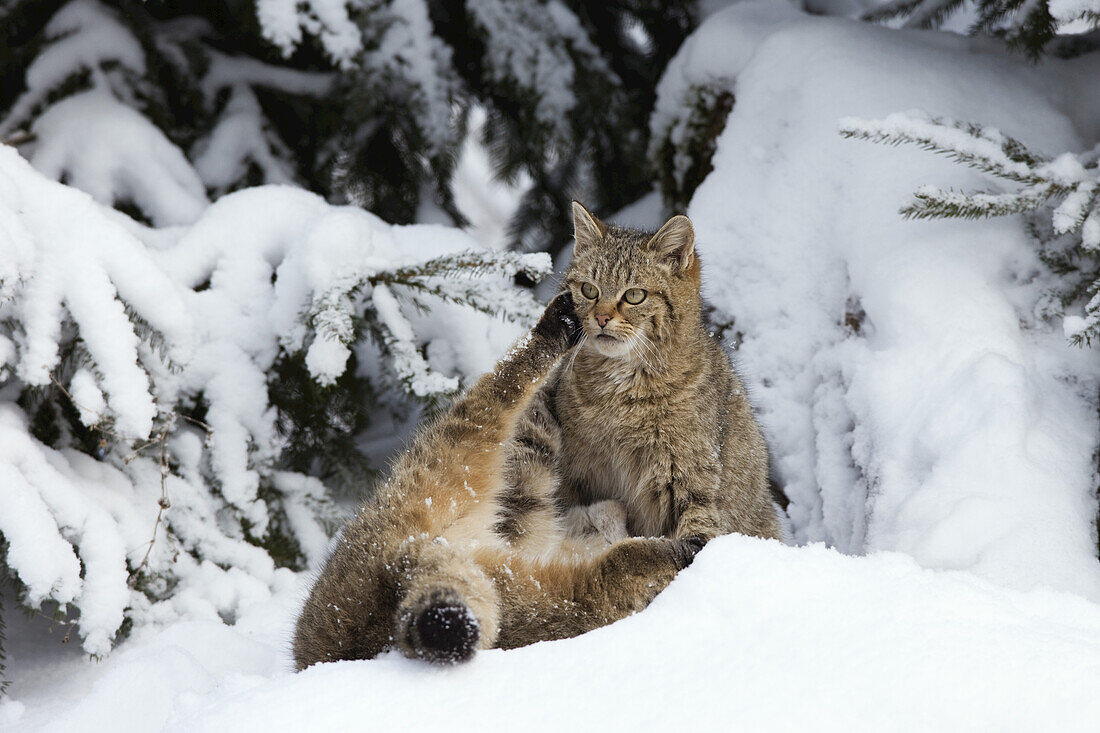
x,y
675,242
587,229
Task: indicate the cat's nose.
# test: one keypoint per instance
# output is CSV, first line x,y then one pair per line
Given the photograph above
x,y
602,319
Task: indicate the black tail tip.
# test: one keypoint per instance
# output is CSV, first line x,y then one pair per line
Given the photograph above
x,y
447,633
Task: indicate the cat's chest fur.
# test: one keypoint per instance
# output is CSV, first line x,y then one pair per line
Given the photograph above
x,y
619,446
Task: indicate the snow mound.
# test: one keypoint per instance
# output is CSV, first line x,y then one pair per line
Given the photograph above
x,y
754,635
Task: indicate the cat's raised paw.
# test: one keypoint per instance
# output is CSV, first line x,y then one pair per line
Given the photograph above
x,y
559,321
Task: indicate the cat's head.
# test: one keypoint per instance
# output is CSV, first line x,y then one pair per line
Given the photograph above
x,y
629,286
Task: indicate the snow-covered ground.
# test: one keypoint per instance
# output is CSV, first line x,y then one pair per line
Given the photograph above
x,y
753,636
926,423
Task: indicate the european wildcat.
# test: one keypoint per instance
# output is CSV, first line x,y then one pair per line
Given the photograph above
x,y
421,567
648,411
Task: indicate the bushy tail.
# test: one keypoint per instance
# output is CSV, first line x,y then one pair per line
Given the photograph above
x,y
449,608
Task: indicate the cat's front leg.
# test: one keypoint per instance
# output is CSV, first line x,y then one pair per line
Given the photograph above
x,y
692,505
488,412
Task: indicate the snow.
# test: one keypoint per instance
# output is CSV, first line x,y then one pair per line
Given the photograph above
x,y
238,140
1074,210
229,71
520,53
285,22
86,280
1066,11
410,365
412,60
113,152
83,34
1090,231
487,203
754,635
986,148
242,141
87,397
95,139
44,503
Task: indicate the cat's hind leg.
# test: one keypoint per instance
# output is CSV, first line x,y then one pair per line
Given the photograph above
x,y
450,607
541,601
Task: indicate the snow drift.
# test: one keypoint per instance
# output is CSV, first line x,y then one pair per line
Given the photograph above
x,y
753,636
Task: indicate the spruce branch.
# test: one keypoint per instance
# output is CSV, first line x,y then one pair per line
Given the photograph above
x,y
398,340
977,146
892,10
473,263
4,681
936,203
1025,25
931,13
1065,188
462,278
158,441
517,307
465,278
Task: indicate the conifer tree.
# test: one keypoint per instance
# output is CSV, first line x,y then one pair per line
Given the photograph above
x,y
1025,25
1058,197
4,681
684,142
364,102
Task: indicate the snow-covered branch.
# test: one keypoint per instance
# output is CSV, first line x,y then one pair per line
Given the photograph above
x,y
984,148
1025,24
1066,188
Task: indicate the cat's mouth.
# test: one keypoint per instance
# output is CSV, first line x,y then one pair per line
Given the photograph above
x,y
609,345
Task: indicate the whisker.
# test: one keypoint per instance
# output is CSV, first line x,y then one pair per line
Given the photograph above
x,y
653,350
576,350
649,344
640,339
636,341
654,357
641,356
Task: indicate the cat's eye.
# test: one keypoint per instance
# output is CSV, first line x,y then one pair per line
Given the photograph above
x,y
634,296
589,291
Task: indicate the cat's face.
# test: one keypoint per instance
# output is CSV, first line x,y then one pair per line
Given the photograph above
x,y
626,284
